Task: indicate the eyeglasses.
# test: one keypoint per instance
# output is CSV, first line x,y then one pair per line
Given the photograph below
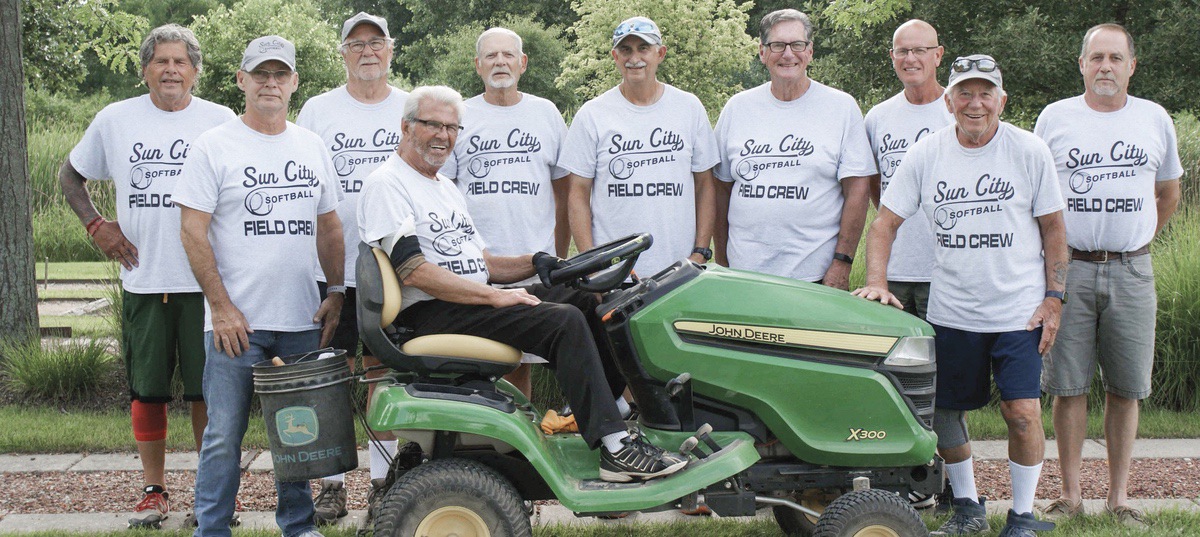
x,y
920,52
358,46
452,128
261,75
983,65
627,28
796,46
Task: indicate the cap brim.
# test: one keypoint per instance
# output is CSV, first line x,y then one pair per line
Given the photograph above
x,y
647,37
253,64
974,76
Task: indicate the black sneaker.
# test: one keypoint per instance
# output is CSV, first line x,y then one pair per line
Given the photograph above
x,y
330,503
1023,525
638,459
969,518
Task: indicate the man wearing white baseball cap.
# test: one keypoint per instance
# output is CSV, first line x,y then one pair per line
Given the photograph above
x,y
990,192
258,204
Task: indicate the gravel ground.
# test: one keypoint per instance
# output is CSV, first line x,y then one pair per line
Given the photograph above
x,y
76,492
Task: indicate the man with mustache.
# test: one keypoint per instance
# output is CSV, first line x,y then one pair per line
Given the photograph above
x,y
793,189
990,191
145,139
641,157
420,219
1118,163
505,161
258,211
358,122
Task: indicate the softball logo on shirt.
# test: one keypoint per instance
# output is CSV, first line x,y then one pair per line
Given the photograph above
x,y
955,203
269,189
151,163
891,151
1090,169
631,155
450,233
486,154
350,152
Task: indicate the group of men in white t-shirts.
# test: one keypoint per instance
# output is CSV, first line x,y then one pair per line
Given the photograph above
x,y
780,186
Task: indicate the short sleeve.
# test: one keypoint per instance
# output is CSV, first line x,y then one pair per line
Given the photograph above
x,y
903,194
705,155
200,185
856,159
89,157
578,154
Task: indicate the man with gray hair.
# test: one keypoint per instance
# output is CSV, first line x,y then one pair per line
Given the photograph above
x,y
792,190
357,123
1118,163
140,144
990,193
506,165
258,211
410,211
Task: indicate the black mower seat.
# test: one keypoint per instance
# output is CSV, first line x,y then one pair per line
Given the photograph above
x,y
379,301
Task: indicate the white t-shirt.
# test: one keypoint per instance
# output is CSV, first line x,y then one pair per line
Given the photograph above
x,y
1107,164
141,148
504,162
398,198
641,160
983,205
359,137
892,127
264,193
786,160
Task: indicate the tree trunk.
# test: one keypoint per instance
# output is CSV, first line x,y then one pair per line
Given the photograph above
x,y
18,287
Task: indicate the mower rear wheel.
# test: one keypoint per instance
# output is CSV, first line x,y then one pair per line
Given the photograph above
x,y
870,513
452,497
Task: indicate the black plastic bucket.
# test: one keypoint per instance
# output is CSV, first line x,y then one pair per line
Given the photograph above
x,y
309,413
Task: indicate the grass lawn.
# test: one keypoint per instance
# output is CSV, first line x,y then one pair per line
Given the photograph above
x,y
76,294
81,325
986,423
83,270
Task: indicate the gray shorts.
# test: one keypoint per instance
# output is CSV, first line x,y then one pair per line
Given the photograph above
x,y
1108,320
914,296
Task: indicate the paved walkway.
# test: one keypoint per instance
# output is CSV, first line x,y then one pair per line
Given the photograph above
x,y
260,461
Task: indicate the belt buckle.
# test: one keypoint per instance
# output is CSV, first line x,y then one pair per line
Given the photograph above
x,y
1105,258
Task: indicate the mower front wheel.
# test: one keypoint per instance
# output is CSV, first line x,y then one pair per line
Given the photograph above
x,y
870,513
452,497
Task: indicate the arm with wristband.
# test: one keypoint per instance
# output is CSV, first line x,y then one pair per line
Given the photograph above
x,y
106,234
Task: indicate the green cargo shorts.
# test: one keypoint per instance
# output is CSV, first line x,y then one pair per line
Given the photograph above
x,y
160,332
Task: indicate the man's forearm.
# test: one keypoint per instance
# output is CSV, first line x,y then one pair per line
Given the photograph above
x,y
448,286
74,187
706,208
509,269
722,192
580,211
1054,250
194,235
854,214
562,226
1166,201
331,252
879,245
875,182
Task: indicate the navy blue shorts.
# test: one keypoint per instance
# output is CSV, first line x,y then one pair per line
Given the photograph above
x,y
965,360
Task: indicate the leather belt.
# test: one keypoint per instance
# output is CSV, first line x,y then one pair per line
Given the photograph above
x,y
1103,256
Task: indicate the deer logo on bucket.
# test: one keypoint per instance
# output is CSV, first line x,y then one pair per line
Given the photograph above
x,y
297,425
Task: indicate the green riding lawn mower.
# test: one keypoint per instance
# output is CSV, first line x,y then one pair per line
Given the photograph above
x,y
782,394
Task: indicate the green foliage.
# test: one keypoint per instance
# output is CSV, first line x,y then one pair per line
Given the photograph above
x,y
1187,128
707,47
46,110
183,12
224,33
855,15
58,236
1176,380
452,54
61,372
56,36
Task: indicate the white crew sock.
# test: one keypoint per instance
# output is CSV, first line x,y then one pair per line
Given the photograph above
x,y
337,478
381,461
962,479
623,407
612,442
1024,485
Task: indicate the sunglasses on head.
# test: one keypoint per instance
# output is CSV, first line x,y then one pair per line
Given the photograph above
x,y
627,28
983,65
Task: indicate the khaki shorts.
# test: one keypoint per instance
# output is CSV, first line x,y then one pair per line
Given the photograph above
x,y
1108,321
160,332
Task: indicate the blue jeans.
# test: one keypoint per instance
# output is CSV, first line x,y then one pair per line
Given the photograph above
x,y
228,387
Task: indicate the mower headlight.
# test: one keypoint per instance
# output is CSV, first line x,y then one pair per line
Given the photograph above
x,y
911,351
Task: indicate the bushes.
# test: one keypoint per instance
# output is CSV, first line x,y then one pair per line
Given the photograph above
x,y
1176,382
62,372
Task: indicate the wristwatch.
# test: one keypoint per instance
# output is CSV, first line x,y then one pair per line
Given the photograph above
x,y
706,253
838,256
335,289
1060,295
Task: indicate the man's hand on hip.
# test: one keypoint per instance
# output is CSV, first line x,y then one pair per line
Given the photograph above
x,y
115,245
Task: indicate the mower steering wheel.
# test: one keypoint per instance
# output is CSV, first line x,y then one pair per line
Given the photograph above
x,y
624,251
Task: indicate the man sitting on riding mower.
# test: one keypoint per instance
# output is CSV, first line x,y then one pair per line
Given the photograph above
x,y
420,220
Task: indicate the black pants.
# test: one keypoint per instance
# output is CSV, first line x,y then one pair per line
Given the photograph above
x,y
563,329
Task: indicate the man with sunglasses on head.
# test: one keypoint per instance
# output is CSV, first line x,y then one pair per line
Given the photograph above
x,y
259,210
140,144
421,220
357,122
506,165
1118,164
641,157
793,191
991,195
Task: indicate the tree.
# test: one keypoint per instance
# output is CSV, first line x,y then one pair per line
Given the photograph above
x,y
57,36
224,33
18,317
453,65
707,47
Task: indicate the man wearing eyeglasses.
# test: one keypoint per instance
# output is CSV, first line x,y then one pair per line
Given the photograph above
x,y
506,165
1118,164
793,189
641,158
259,210
358,123
990,193
140,144
421,220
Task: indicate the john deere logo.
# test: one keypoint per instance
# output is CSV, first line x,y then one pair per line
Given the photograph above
x,y
297,425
